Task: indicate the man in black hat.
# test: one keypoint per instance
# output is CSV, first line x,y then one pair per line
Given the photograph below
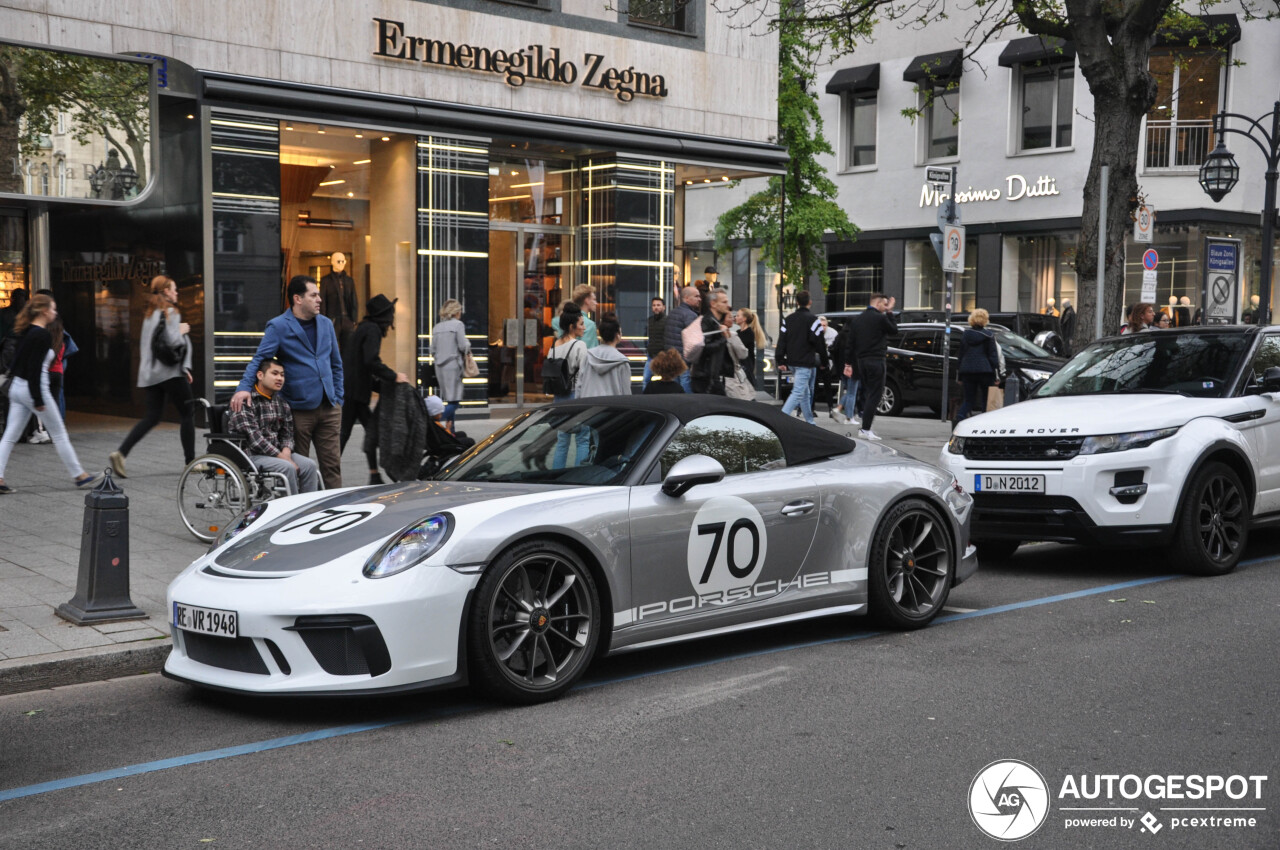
x,y
365,372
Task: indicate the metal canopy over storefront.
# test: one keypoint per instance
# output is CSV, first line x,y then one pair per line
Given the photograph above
x,y
241,92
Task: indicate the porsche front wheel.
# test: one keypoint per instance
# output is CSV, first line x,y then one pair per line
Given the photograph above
x,y
910,574
535,622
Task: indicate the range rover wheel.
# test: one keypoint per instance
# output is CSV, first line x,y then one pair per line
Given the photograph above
x,y
911,569
1213,524
535,622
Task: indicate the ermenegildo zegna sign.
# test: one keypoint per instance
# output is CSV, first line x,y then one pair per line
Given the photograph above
x,y
530,63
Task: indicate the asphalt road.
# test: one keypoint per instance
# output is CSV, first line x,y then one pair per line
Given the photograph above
x,y
818,735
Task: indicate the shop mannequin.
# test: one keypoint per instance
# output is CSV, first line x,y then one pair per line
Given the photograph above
x,y
338,292
1068,320
1250,316
1049,307
1182,318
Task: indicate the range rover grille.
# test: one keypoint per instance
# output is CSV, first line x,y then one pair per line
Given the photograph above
x,y
1022,448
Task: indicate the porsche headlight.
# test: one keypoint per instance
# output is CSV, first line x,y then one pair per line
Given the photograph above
x,y
956,445
246,519
411,546
1123,442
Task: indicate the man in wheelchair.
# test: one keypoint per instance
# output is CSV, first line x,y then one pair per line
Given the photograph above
x,y
266,424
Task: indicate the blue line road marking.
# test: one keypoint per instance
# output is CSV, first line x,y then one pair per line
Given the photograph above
x,y
341,731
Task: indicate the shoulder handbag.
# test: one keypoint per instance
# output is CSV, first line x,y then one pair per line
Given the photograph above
x,y
470,368
162,350
556,376
692,340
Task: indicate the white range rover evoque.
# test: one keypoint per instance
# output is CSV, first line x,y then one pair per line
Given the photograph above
x,y
1167,438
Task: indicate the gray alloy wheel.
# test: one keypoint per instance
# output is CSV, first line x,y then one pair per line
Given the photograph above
x,y
535,623
912,565
890,400
1213,524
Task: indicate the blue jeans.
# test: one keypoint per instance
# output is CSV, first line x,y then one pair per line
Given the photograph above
x,y
686,382
801,392
450,410
648,373
850,404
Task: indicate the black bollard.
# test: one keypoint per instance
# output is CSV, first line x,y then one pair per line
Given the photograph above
x,y
102,588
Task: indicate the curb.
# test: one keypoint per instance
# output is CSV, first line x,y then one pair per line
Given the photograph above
x,y
108,662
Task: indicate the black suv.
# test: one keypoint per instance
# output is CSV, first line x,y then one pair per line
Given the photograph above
x,y
913,365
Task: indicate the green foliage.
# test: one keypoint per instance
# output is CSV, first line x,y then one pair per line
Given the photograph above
x,y
736,450
811,209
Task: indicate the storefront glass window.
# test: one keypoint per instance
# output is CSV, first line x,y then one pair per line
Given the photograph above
x,y
84,127
530,191
13,255
924,284
1037,268
853,278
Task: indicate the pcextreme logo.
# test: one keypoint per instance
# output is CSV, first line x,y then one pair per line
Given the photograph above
x,y
1009,800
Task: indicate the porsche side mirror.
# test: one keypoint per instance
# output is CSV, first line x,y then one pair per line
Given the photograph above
x,y
1270,381
690,472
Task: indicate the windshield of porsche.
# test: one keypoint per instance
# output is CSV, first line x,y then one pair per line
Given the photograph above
x,y
1190,364
563,444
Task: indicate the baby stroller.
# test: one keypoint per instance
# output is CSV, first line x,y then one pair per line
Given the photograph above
x,y
442,449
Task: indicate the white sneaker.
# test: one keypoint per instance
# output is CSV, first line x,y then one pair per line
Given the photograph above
x,y
839,417
868,435
40,436
856,420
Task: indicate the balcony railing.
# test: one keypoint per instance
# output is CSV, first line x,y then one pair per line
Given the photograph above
x,y
1178,144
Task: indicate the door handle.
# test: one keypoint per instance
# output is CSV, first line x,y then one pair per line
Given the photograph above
x,y
797,508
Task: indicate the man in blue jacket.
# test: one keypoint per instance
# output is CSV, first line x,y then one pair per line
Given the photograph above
x,y
307,344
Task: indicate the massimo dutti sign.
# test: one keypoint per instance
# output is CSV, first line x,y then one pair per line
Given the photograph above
x,y
528,63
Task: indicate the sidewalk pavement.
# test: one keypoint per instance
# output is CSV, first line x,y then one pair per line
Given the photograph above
x,y
40,543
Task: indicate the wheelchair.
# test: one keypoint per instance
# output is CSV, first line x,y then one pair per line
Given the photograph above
x,y
222,483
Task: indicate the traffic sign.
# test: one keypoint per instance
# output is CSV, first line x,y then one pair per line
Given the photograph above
x,y
948,213
1144,224
1150,258
1149,285
938,175
953,248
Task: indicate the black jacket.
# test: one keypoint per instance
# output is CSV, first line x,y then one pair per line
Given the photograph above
x,y
714,364
398,432
657,334
678,319
978,353
871,332
801,340
338,295
33,345
362,368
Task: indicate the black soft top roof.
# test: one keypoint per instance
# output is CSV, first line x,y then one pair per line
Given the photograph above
x,y
801,442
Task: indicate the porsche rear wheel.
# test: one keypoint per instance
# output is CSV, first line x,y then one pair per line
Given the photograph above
x,y
912,564
535,623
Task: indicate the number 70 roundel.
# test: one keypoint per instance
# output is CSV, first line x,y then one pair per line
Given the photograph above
x,y
727,543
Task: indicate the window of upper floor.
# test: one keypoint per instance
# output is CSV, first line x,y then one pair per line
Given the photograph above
x,y
672,15
1044,104
1179,127
940,124
858,121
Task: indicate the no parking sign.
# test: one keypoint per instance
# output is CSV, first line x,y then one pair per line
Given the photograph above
x,y
1221,293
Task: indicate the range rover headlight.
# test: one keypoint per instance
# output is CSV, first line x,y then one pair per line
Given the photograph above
x,y
956,445
412,546
1123,442
1034,375
246,519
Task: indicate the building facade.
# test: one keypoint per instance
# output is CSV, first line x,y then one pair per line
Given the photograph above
x,y
1017,121
498,153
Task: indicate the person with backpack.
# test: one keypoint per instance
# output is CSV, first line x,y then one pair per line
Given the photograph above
x,y
164,371
607,371
564,362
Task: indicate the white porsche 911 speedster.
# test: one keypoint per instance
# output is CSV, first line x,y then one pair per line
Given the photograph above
x,y
576,530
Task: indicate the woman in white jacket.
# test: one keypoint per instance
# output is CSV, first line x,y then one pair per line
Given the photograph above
x,y
163,382
449,350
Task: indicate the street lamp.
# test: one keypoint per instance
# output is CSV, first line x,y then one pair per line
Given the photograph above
x,y
120,179
1220,173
